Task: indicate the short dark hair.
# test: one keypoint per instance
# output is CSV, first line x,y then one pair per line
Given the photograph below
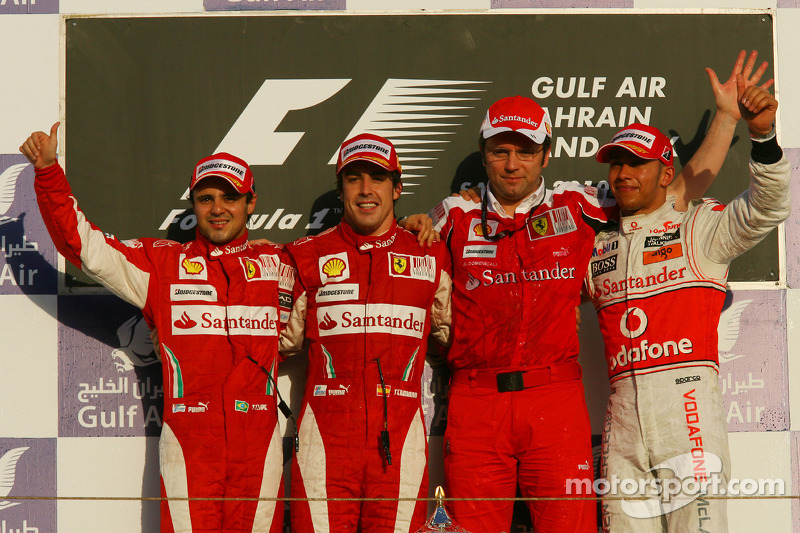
x,y
395,180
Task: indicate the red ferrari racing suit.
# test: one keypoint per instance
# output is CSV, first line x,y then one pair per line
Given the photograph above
x,y
659,285
516,410
366,304
217,313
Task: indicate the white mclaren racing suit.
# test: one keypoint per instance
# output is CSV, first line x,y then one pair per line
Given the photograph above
x,y
658,284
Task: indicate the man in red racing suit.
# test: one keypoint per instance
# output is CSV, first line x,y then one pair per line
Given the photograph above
x,y
214,301
516,411
366,297
659,284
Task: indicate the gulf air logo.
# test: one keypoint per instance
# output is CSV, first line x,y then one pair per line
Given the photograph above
x,y
333,267
8,184
8,474
192,268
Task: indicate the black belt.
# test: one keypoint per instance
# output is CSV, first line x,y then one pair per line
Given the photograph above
x,y
517,381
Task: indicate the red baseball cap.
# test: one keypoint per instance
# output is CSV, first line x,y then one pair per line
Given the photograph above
x,y
642,141
228,167
368,147
520,114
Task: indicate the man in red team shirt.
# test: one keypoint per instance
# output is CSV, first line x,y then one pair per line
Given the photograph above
x,y
516,412
215,303
366,296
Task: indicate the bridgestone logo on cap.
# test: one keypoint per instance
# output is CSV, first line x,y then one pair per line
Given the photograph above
x,y
639,136
362,146
217,165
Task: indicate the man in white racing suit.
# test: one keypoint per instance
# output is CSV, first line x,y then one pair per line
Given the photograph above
x,y
658,284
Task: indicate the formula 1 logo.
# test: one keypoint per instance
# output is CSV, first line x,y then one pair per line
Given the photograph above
x,y
393,113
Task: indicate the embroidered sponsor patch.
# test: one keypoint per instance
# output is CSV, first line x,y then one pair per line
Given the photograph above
x,y
412,267
605,248
334,267
320,390
179,292
664,253
346,319
488,251
661,240
602,266
550,223
263,268
220,320
192,268
337,292
476,229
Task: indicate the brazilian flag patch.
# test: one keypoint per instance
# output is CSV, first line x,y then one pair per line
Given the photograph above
x,y
242,406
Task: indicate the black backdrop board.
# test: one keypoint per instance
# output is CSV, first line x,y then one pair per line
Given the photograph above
x,y
147,97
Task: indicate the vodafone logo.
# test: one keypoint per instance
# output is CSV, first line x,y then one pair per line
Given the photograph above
x,y
633,322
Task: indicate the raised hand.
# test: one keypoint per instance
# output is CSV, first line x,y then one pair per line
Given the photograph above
x,y
40,148
759,107
726,94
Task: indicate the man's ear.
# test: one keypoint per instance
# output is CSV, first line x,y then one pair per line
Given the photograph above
x,y
251,206
397,191
667,177
546,157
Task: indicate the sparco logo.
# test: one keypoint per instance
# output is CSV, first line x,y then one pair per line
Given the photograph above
x,y
687,379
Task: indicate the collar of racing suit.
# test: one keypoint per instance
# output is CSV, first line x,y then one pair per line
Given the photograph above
x,y
212,251
366,243
536,197
634,223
